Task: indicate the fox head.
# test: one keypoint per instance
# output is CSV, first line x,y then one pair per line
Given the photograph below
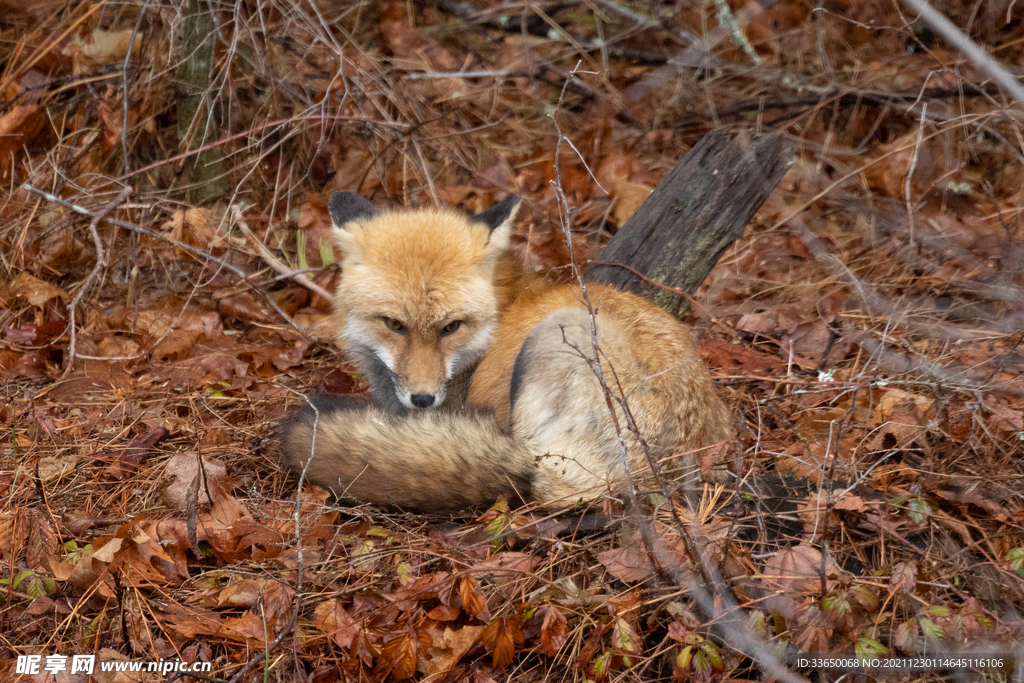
x,y
416,306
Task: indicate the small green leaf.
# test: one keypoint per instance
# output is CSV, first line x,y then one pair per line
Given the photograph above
x,y
1016,559
868,647
919,509
624,638
713,655
758,624
600,666
931,630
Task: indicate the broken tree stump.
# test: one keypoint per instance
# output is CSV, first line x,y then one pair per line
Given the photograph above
x,y
677,236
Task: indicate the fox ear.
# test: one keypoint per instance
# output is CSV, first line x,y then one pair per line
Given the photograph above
x,y
346,207
498,220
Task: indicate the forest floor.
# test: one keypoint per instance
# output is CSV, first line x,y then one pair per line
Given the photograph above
x,y
866,331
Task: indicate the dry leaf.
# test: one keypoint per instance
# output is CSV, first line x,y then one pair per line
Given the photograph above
x,y
553,629
127,461
37,292
629,564
336,623
399,656
797,570
446,651
501,636
904,577
472,599
53,469
183,468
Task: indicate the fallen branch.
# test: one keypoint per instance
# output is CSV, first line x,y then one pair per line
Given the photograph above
x,y
948,30
678,234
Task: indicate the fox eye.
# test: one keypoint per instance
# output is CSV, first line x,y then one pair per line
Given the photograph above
x,y
394,325
451,327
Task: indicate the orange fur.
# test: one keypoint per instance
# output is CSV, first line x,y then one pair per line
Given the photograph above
x,y
552,436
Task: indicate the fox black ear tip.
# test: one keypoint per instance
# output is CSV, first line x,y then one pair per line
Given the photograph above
x,y
348,206
500,212
339,200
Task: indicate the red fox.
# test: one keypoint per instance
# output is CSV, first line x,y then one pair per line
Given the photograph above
x,y
486,376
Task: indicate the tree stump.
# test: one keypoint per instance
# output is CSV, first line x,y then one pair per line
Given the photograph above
x,y
677,236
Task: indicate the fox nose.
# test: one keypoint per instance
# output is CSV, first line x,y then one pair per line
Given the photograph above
x,y
422,400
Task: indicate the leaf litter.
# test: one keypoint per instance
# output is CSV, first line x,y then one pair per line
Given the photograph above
x,y
866,330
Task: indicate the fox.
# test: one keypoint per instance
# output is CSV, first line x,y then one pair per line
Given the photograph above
x,y
490,381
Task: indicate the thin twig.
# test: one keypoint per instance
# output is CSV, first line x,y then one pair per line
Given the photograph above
x,y
242,275
295,276
718,605
299,564
948,30
101,262
124,85
910,174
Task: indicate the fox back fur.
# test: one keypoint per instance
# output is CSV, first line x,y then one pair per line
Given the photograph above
x,y
436,316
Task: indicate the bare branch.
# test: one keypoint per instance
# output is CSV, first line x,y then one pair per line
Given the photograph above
x,y
948,30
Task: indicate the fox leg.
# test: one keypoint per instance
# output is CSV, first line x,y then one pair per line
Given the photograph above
x,y
559,408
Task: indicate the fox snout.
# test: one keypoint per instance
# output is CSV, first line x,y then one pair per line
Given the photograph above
x,y
422,400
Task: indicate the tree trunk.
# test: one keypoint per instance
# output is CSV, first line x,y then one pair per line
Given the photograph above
x,y
677,236
196,127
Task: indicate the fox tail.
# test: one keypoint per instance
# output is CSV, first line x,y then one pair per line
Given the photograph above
x,y
424,462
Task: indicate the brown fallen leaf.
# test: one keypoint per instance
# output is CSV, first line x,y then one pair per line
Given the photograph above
x,y
241,305
19,125
184,468
615,173
473,601
973,497
763,323
52,469
852,503
444,613
806,344
738,358
13,532
152,556
113,676
399,656
127,461
77,523
37,292
794,573
904,577
501,636
101,47
449,648
92,566
413,49
336,623
629,564
553,629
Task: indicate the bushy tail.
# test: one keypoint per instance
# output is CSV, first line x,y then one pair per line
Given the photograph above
x,y
429,461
